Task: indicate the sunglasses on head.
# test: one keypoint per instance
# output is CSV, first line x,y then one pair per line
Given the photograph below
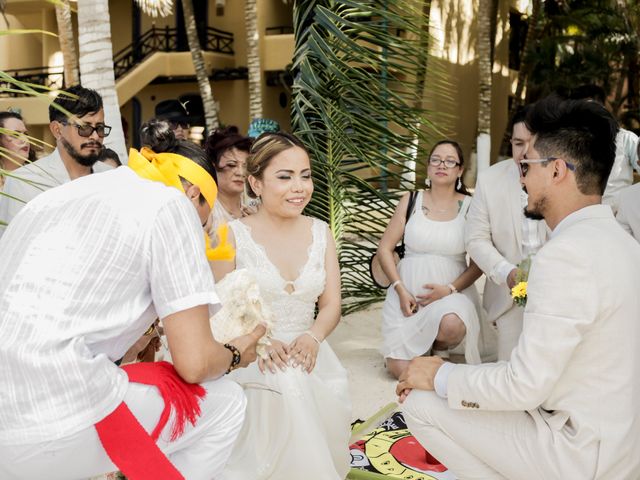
x,y
87,130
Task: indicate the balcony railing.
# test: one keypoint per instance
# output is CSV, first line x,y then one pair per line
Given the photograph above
x,y
153,40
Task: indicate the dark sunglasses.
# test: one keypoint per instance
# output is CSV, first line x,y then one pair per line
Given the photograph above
x,y
181,124
87,130
524,164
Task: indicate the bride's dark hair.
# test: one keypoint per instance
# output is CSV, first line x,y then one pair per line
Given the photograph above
x,y
264,148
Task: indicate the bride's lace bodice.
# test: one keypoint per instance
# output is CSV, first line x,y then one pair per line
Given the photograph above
x,y
292,311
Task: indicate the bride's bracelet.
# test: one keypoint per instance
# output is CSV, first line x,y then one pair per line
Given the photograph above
x,y
310,333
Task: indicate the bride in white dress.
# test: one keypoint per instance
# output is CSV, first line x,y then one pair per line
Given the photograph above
x,y
432,304
302,429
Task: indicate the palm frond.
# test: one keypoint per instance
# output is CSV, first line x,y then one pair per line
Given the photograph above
x,y
156,8
359,70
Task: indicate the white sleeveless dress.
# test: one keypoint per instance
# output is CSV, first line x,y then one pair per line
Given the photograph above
x,y
304,431
435,253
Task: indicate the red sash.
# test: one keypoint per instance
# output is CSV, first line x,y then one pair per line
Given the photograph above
x,y
128,444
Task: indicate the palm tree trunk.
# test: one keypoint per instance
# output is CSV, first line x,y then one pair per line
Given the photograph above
x,y
253,59
67,46
96,66
209,104
483,141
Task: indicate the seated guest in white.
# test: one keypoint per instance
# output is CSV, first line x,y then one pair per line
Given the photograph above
x,y
301,428
499,237
86,268
432,303
79,141
629,208
565,406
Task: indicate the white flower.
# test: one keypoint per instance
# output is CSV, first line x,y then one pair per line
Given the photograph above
x,y
242,309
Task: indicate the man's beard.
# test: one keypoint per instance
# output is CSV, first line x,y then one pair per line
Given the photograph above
x,y
84,160
536,212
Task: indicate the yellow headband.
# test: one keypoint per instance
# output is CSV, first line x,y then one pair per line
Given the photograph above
x,y
168,169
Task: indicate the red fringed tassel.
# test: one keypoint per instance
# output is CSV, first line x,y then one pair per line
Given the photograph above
x,y
177,394
127,443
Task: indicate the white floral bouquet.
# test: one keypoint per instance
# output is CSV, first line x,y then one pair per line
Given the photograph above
x,y
243,309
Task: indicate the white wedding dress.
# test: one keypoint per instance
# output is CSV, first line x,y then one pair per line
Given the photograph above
x,y
302,431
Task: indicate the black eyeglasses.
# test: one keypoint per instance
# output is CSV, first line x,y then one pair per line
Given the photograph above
x,y
448,162
524,164
87,130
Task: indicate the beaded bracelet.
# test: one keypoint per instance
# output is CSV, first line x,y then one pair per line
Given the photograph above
x,y
310,333
235,360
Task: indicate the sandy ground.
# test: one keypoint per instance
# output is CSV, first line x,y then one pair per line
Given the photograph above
x,y
356,341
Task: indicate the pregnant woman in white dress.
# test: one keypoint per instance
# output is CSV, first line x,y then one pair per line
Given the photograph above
x,y
301,428
431,304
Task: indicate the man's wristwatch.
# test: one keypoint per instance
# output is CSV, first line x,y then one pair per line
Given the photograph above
x,y
235,360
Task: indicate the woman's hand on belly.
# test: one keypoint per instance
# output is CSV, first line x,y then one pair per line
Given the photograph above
x,y
433,293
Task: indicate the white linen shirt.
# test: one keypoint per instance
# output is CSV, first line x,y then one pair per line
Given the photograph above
x,y
85,268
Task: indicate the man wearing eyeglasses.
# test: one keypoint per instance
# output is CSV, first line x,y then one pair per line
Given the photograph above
x,y
498,237
565,405
79,136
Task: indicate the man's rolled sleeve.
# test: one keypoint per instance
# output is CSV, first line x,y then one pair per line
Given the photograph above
x,y
180,275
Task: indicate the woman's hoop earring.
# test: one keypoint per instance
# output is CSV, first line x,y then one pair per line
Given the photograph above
x,y
459,184
427,182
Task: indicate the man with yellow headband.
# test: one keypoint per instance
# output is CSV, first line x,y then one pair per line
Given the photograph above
x,y
85,269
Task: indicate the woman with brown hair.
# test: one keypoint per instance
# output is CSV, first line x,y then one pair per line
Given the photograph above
x,y
300,428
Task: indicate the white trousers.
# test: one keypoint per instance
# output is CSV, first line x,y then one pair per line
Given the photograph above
x,y
485,445
509,326
201,452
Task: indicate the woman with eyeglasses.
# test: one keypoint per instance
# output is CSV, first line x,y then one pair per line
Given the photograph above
x,y
431,306
15,149
228,151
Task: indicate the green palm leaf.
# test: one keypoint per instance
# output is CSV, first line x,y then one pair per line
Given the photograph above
x,y
359,70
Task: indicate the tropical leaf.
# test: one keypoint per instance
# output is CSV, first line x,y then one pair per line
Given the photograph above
x,y
359,71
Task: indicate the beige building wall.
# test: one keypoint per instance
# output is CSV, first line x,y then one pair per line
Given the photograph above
x,y
452,79
451,90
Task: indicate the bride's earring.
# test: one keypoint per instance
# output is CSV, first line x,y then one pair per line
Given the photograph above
x,y
459,184
427,182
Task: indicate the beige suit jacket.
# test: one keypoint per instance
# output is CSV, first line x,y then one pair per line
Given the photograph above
x,y
494,230
629,210
576,368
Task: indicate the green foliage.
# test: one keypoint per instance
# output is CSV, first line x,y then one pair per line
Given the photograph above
x,y
359,71
588,42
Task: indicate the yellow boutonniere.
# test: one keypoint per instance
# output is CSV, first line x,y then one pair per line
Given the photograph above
x,y
519,294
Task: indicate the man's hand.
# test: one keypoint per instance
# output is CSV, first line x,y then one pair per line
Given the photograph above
x,y
246,344
512,277
420,374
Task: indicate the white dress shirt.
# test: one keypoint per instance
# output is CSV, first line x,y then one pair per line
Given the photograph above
x,y
531,243
85,269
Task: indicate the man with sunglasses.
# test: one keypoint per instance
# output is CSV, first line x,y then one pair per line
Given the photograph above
x,y
565,405
77,122
498,237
